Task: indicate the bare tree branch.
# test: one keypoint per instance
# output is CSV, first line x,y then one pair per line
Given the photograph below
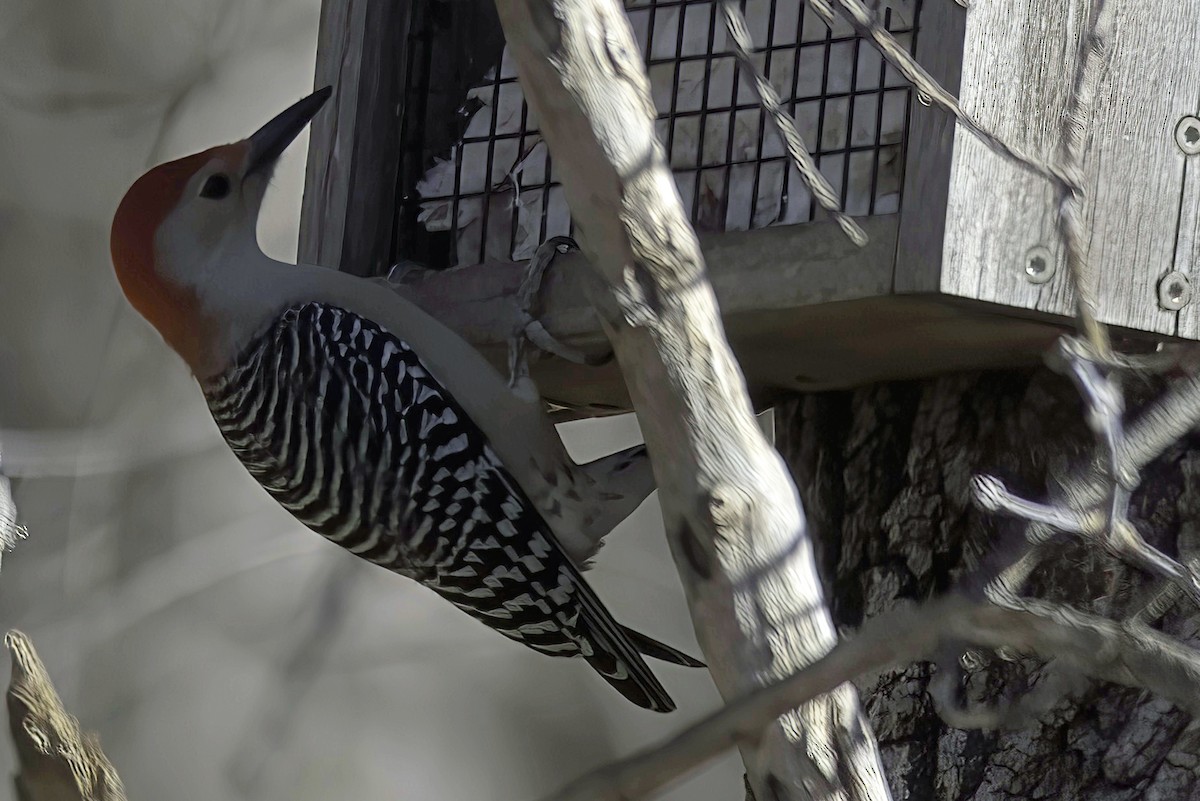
x,y
58,762
732,513
1093,503
1133,655
578,72
1065,174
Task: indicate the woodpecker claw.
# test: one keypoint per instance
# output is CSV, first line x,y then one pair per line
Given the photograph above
x,y
529,328
405,271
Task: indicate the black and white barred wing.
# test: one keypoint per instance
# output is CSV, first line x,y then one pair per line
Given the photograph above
x,y
534,594
367,448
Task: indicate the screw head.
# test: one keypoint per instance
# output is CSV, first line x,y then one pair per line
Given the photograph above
x,y
1174,291
1040,265
1187,135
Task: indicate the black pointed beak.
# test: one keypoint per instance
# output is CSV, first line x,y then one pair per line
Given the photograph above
x,y
269,141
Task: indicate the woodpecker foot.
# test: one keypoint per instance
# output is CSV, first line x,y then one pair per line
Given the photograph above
x,y
528,328
406,271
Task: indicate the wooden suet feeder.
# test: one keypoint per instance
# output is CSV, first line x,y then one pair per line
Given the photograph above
x,y
431,156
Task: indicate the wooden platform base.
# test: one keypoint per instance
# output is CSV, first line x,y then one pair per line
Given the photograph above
x,y
804,310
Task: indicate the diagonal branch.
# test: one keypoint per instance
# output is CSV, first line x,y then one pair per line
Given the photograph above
x,y
866,23
732,514
1132,655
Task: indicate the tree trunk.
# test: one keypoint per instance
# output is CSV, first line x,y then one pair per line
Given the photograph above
x,y
883,472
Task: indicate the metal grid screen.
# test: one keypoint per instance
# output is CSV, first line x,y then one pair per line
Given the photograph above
x,y
493,195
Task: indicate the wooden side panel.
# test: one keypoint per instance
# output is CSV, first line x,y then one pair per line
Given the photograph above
x,y
929,153
1017,68
327,176
353,159
1015,79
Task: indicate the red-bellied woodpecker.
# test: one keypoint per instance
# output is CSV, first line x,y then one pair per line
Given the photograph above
x,y
374,424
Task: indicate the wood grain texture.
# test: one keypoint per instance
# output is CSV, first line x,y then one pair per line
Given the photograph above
x,y
1012,82
770,284
347,215
326,203
929,153
1016,84
1187,246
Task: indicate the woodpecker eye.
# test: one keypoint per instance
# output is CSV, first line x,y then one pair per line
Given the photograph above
x,y
216,187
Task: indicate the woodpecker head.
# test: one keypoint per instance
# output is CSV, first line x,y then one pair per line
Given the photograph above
x,y
181,228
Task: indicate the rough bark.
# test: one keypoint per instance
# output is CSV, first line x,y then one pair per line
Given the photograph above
x,y
883,472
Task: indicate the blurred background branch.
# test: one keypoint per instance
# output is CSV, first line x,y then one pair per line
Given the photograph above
x,y
57,761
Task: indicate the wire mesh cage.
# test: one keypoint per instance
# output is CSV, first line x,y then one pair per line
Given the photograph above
x,y
432,157
492,194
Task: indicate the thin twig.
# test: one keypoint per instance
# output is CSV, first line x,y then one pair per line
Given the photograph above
x,y
1066,177
1071,197
820,188
1104,522
736,526
867,24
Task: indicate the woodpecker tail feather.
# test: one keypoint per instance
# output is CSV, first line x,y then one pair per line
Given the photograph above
x,y
660,651
608,648
627,673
